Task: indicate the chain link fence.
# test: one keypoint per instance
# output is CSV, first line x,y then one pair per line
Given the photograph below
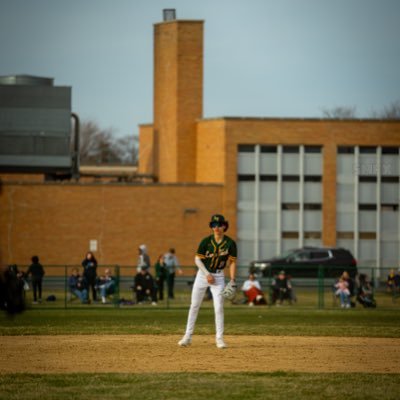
x,y
311,287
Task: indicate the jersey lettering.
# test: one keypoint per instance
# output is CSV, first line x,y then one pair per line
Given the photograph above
x,y
215,256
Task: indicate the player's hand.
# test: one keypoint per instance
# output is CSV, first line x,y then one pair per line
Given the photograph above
x,y
210,279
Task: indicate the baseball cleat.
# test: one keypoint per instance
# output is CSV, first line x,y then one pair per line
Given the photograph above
x,y
221,344
185,341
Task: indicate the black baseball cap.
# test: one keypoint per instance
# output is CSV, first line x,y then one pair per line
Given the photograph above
x,y
219,220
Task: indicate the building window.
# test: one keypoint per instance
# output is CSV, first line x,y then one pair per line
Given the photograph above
x,y
290,206
368,196
345,150
290,192
246,178
290,178
312,235
290,149
390,150
268,178
290,235
367,235
268,149
312,206
312,149
345,235
367,207
246,148
367,150
280,190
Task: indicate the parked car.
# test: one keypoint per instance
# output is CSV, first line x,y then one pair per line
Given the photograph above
x,y
304,263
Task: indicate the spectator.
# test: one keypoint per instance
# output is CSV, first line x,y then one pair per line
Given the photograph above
x,y
90,273
351,287
106,285
342,290
144,259
365,295
161,274
144,287
171,265
36,271
78,286
282,289
12,295
396,284
252,291
390,281
397,280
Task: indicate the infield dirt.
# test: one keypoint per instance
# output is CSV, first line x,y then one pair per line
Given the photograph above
x,y
160,353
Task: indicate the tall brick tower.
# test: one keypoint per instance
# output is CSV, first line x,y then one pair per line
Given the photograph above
x,y
178,97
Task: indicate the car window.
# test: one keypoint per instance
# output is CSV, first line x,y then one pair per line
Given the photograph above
x,y
301,256
287,253
342,255
320,255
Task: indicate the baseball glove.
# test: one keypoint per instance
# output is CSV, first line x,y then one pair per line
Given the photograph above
x,y
229,291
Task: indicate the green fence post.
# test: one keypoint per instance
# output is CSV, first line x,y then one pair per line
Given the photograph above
x,y
321,289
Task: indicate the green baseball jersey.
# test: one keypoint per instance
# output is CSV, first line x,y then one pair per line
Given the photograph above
x,y
216,255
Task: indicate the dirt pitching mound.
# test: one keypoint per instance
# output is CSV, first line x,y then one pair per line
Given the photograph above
x,y
160,353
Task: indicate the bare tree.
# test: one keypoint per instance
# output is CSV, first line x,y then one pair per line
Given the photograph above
x,y
343,112
100,146
392,111
127,149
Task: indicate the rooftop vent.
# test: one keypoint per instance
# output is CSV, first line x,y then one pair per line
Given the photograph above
x,y
169,14
25,80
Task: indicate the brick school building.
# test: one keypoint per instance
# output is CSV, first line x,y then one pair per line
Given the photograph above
x,y
281,182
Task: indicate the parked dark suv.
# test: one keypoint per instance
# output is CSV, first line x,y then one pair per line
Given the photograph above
x,y
304,263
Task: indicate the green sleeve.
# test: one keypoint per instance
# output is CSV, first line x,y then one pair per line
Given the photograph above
x,y
201,251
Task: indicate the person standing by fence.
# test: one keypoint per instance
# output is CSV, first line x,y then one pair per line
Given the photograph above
x,y
89,265
171,265
161,274
143,258
36,271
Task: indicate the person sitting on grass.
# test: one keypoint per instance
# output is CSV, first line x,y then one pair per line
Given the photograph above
x,y
282,289
78,286
397,283
365,294
342,290
393,283
390,285
252,291
106,285
145,287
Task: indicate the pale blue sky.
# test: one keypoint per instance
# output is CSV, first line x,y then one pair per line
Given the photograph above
x,y
265,58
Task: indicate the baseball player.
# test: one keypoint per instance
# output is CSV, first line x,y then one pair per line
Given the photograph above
x,y
215,252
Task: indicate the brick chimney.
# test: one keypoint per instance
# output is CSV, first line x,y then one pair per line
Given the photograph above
x,y
178,97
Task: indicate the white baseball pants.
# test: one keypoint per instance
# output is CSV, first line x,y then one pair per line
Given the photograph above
x,y
199,289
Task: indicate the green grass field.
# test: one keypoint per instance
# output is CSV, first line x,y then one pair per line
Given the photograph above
x,y
307,297
200,386
239,321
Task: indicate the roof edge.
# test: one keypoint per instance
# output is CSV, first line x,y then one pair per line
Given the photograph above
x,y
294,119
